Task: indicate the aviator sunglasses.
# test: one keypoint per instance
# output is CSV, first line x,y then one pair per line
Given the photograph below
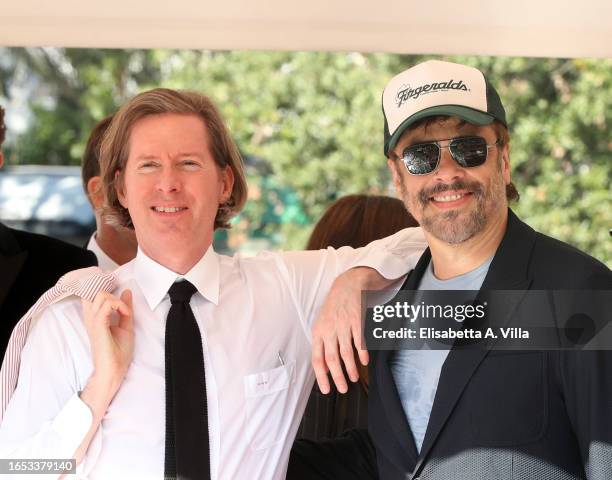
x,y
424,158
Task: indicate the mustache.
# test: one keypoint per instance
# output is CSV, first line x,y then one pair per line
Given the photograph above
x,y
474,187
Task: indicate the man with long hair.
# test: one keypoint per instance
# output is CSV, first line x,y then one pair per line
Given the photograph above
x,y
196,365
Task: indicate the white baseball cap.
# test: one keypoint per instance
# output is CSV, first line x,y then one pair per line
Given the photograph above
x,y
438,88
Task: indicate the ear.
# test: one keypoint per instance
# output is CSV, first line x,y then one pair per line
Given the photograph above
x,y
94,191
396,175
119,187
505,164
227,179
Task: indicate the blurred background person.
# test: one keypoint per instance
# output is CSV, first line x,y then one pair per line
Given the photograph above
x,y
113,246
353,220
30,264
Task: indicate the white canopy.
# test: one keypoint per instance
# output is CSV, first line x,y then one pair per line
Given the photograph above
x,y
552,28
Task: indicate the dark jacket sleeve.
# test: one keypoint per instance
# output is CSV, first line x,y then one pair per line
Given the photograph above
x,y
586,378
350,456
45,261
587,383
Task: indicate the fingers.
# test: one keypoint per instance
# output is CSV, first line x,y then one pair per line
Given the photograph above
x,y
126,297
335,331
318,363
332,359
110,306
105,304
349,334
100,299
326,358
348,356
126,311
364,356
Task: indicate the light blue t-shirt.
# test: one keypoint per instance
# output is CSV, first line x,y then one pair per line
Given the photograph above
x,y
417,372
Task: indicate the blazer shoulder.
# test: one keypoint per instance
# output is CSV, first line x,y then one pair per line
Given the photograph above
x,y
51,251
570,263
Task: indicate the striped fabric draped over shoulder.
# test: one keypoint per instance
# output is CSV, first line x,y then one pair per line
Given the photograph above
x,y
84,283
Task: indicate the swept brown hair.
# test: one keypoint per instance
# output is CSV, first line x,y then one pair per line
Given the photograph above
x,y
115,146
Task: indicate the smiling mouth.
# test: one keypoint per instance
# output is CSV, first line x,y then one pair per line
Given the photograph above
x,y
168,209
449,197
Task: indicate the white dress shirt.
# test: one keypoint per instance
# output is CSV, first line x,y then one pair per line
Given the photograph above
x,y
255,316
104,261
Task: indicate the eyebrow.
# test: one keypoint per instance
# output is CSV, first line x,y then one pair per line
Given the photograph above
x,y
178,155
189,154
146,157
464,130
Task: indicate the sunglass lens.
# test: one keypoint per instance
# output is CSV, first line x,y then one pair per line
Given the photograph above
x,y
469,151
421,159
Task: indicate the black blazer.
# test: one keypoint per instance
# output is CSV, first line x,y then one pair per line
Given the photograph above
x,y
30,264
536,415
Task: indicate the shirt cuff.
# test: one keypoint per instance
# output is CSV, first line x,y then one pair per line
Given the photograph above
x,y
73,422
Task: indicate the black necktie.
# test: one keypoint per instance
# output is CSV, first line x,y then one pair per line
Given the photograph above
x,y
187,449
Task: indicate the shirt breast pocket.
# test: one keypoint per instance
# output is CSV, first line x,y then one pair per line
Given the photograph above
x,y
269,405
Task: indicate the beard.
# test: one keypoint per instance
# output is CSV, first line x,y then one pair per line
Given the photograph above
x,y
456,226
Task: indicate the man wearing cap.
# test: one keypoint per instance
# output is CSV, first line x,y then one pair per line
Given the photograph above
x,y
440,414
478,414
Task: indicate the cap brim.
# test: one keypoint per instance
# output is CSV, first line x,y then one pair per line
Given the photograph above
x,y
464,113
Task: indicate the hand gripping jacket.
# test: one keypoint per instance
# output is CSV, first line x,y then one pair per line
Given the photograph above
x,y
84,283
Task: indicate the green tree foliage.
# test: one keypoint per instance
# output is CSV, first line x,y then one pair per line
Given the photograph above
x,y
315,118
71,89
310,125
560,116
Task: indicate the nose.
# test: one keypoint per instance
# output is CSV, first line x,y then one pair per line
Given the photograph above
x,y
168,181
448,170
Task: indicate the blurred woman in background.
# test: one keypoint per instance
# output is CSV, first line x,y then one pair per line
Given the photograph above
x,y
353,220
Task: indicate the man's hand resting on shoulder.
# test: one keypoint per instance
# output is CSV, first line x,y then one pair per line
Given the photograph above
x,y
338,327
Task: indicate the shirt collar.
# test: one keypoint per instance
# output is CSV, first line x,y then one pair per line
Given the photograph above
x,y
155,280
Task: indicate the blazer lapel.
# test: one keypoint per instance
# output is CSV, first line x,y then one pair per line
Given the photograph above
x,y
12,258
508,271
405,456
